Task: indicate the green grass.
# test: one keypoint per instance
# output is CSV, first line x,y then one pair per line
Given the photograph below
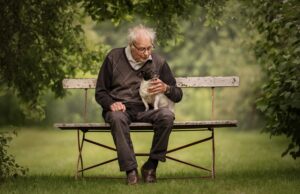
x,y
246,162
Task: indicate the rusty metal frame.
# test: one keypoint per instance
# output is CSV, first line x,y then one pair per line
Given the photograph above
x,y
80,167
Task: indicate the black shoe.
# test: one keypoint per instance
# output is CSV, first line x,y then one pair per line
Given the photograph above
x,y
148,175
132,177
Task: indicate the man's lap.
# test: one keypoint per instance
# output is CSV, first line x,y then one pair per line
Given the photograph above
x,y
149,116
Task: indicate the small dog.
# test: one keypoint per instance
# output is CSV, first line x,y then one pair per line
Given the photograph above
x,y
158,100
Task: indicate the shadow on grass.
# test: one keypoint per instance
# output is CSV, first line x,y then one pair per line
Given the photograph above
x,y
263,174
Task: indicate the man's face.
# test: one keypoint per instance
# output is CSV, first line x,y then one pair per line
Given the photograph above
x,y
141,48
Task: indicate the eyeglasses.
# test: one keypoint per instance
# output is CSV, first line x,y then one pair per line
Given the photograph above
x,y
143,49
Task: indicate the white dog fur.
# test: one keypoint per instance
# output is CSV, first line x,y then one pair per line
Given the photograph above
x,y
157,101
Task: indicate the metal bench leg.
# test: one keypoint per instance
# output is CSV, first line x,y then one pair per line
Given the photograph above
x,y
213,173
102,163
79,166
213,133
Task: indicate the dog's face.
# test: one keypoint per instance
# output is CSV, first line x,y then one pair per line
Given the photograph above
x,y
147,75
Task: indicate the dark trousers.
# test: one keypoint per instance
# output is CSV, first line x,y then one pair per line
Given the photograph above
x,y
162,120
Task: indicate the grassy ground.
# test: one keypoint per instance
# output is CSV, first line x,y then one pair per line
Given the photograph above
x,y
246,162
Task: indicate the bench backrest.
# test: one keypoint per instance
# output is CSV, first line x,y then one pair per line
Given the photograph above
x,y
183,82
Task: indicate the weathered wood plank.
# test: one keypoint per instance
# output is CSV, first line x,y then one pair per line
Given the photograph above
x,y
194,82
79,83
136,126
184,82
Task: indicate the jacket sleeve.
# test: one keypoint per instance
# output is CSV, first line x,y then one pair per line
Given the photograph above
x,y
103,85
167,77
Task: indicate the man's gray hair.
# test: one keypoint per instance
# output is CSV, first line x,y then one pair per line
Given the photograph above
x,y
136,31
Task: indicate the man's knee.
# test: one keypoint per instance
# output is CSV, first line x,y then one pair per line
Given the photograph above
x,y
116,117
165,115
119,122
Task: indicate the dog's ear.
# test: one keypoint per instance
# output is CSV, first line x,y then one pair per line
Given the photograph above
x,y
141,74
145,75
154,74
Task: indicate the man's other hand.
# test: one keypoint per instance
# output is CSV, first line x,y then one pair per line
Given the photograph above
x,y
117,106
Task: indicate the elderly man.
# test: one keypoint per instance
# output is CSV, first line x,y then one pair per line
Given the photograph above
x,y
117,91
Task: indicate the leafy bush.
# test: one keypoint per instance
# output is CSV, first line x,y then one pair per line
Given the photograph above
x,y
8,165
278,51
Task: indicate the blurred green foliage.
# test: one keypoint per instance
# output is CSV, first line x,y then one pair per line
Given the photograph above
x,y
42,42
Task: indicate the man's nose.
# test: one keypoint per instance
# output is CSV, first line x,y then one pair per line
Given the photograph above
x,y
147,52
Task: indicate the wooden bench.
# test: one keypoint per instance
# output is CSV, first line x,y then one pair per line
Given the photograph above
x,y
184,126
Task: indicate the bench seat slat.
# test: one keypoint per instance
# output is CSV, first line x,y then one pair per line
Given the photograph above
x,y
136,126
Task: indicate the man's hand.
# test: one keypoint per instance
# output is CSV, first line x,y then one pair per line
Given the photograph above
x,y
157,86
117,106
